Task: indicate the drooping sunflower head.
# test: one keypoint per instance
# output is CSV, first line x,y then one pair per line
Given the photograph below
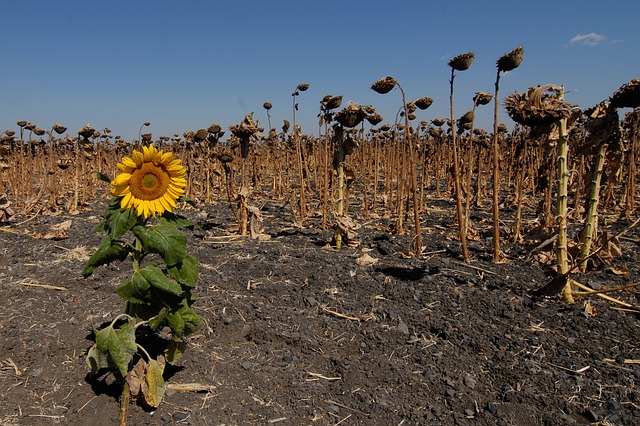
x,y
151,181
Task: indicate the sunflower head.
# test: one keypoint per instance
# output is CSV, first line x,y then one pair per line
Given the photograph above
x,y
384,85
462,62
511,60
151,181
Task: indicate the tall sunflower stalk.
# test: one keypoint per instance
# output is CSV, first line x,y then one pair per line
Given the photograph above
x,y
543,109
505,63
459,63
139,224
384,86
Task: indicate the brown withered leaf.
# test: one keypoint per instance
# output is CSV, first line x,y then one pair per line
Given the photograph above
x,y
619,271
610,246
366,260
146,381
589,309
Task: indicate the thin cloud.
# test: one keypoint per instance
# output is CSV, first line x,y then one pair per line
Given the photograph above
x,y
591,39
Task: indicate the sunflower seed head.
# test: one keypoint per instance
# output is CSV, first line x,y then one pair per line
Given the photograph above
x,y
384,85
462,62
627,96
511,60
482,98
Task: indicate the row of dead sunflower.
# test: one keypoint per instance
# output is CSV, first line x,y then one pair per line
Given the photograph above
x,y
376,165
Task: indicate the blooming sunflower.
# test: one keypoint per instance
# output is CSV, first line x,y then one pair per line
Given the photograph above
x,y
151,181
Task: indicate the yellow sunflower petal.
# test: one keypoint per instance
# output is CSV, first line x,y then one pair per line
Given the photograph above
x,y
121,179
167,203
120,190
137,158
159,207
166,158
127,165
127,201
148,152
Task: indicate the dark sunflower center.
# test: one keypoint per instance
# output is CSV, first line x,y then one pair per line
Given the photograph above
x,y
149,182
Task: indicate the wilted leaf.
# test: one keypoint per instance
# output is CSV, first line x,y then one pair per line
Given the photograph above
x,y
62,226
175,350
155,386
590,309
119,344
145,381
622,271
135,378
97,360
610,246
366,260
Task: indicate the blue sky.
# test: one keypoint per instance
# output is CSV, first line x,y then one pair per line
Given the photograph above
x,y
184,65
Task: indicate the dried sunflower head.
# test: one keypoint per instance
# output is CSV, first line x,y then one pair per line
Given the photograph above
x,y
22,123
60,129
351,116
86,132
374,119
199,135
467,117
245,129
462,62
537,107
333,102
384,85
302,87
214,128
602,125
267,105
438,122
423,103
482,98
511,60
627,96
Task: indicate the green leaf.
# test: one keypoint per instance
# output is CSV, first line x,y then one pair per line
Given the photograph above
x,y
120,221
186,199
119,344
185,272
175,220
104,178
100,227
184,321
158,320
175,350
160,281
108,251
97,360
135,290
163,239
